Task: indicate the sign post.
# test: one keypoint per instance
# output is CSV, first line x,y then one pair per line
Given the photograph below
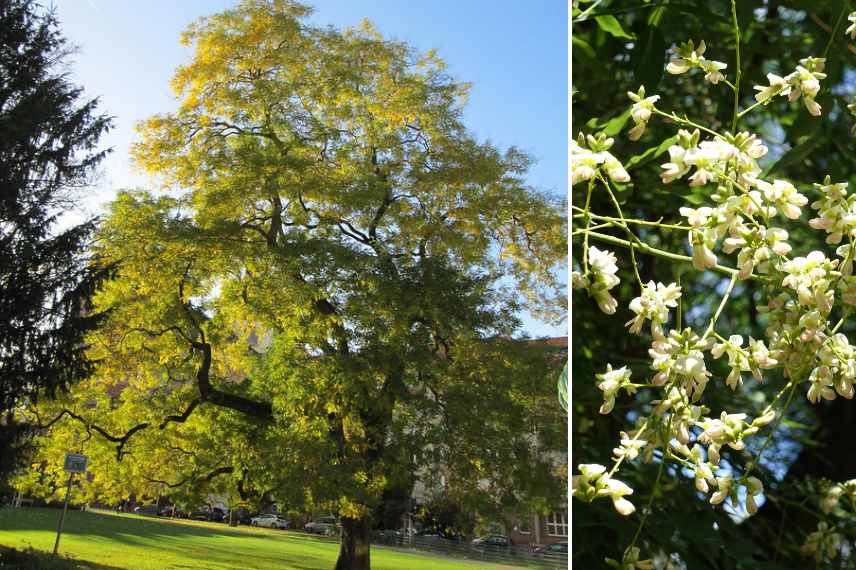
x,y
74,463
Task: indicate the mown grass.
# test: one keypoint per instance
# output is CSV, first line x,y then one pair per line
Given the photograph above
x,y
107,541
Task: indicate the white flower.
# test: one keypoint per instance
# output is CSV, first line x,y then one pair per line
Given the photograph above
x,y
629,447
723,489
653,303
754,487
777,86
837,211
616,490
640,111
676,167
713,70
611,382
689,57
603,267
851,30
804,81
696,217
703,256
586,161
785,197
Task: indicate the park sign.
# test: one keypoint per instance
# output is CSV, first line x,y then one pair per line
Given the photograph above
x,y
75,463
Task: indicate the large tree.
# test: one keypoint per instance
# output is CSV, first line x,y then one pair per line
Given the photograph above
x,y
48,149
319,304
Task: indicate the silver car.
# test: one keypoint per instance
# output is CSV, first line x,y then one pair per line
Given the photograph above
x,y
269,521
325,525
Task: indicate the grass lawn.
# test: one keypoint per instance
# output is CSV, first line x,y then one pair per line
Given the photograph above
x,y
108,541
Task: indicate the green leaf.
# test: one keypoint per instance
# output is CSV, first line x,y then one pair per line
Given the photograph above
x,y
610,126
580,45
650,154
612,26
695,199
648,58
614,126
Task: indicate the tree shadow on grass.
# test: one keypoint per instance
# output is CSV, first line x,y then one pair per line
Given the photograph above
x,y
30,559
216,544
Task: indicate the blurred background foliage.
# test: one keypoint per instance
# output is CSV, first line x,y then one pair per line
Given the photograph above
x,y
618,45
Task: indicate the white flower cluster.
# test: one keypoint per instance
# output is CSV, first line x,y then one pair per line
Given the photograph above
x,y
741,219
690,57
714,159
640,111
653,303
836,211
684,415
611,382
851,29
679,358
726,486
601,278
594,483
590,153
728,429
835,371
823,543
835,493
730,162
629,447
752,359
804,81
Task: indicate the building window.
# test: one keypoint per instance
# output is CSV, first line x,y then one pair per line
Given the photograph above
x,y
524,527
557,524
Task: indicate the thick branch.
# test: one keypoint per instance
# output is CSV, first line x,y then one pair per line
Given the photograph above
x,y
181,418
121,440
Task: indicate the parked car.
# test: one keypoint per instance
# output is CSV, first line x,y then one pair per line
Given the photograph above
x,y
492,542
146,510
558,548
208,514
243,516
325,525
172,512
270,521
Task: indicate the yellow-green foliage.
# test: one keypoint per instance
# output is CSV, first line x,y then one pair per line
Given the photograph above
x,y
328,227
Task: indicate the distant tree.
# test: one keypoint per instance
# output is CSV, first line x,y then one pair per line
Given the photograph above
x,y
48,138
320,305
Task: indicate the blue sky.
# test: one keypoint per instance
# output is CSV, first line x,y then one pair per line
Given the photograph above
x,y
513,52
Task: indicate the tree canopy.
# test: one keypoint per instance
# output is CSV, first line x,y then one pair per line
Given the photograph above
x,y
319,301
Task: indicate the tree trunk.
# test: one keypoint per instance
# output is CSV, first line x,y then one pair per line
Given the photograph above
x,y
354,545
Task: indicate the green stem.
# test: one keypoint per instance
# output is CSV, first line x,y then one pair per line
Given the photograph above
x,y
834,35
747,109
793,387
658,223
584,15
588,223
685,121
645,248
623,224
719,309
